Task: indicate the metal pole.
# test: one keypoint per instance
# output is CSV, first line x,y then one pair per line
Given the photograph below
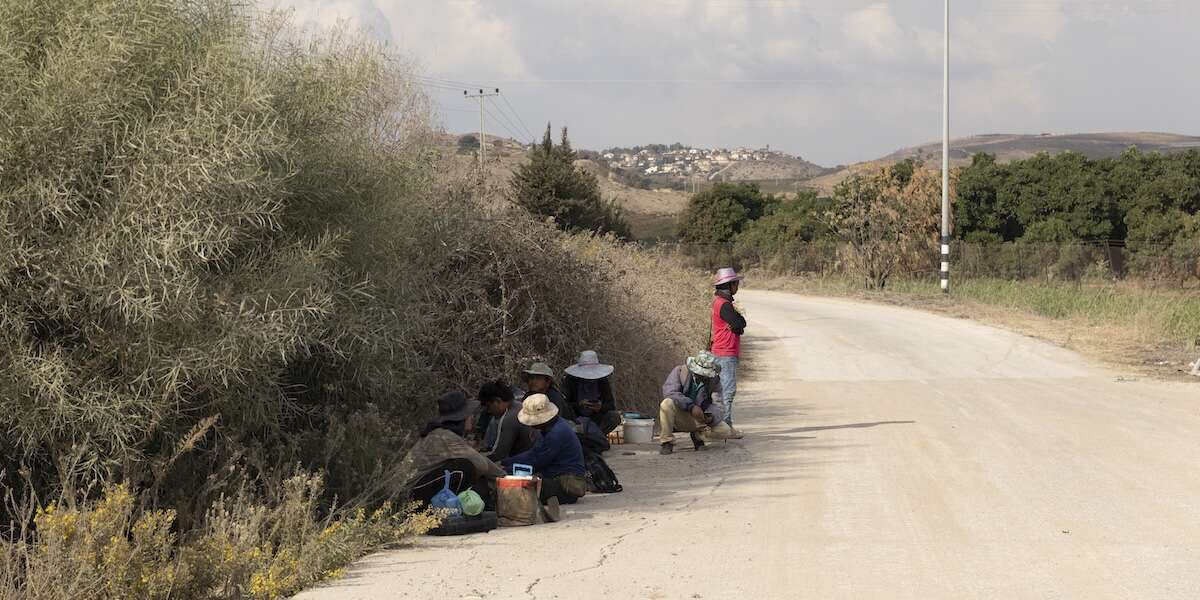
x,y
482,141
946,154
482,95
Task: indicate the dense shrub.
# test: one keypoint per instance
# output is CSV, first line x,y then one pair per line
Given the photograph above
x,y
782,238
1148,200
888,224
717,215
222,257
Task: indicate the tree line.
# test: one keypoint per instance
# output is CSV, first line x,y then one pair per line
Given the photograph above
x,y
1147,202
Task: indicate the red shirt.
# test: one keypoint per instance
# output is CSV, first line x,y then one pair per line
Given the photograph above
x,y
724,341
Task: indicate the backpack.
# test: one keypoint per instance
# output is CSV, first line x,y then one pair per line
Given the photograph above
x,y
600,478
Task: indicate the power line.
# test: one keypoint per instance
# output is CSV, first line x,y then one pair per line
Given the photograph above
x,y
528,131
450,84
504,121
501,122
514,120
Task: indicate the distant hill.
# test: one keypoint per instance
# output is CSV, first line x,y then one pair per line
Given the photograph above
x,y
772,168
1010,147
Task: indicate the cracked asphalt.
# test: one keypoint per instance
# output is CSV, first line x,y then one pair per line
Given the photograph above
x,y
890,453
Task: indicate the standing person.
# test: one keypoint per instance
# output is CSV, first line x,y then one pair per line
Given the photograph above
x,y
557,457
588,391
692,403
506,435
727,328
539,379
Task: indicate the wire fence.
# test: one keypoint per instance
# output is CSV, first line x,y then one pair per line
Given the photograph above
x,y
1162,264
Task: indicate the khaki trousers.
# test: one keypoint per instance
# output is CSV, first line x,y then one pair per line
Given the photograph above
x,y
671,419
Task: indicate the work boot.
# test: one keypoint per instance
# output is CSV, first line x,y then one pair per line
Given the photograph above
x,y
697,441
667,448
734,433
550,512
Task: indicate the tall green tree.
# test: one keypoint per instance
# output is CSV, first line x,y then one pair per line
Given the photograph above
x,y
550,185
717,215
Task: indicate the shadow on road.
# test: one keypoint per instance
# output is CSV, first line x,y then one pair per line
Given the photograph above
x,y
828,427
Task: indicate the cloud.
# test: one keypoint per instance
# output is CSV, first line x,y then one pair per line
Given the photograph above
x,y
834,80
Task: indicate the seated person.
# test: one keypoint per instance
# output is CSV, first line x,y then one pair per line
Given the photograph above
x,y
442,448
557,457
692,403
539,379
505,435
588,391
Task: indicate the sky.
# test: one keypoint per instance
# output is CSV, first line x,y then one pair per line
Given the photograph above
x,y
833,81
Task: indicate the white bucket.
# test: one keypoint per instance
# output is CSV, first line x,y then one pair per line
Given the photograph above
x,y
639,431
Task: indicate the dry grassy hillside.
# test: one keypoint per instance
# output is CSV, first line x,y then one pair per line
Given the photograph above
x,y
1010,147
774,168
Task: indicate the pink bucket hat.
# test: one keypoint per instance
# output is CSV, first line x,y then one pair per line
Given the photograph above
x,y
725,275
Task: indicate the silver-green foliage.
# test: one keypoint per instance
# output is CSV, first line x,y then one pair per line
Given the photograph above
x,y
172,174
222,255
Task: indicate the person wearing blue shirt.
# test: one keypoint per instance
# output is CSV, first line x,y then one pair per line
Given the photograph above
x,y
557,457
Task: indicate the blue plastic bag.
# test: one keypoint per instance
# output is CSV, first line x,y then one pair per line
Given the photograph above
x,y
446,498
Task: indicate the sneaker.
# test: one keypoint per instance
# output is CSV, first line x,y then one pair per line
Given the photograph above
x,y
735,434
667,448
550,512
697,442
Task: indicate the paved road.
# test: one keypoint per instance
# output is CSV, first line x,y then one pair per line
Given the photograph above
x,y
890,454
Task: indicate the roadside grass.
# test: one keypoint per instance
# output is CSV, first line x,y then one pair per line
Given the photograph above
x,y
1127,323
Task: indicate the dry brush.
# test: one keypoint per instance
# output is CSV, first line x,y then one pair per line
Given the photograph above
x,y
224,268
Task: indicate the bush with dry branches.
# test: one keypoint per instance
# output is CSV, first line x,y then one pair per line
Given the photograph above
x,y
223,257
888,222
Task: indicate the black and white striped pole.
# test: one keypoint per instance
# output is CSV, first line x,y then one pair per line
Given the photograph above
x,y
945,272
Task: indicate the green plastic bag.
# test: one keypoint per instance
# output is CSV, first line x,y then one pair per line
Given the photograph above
x,y
472,504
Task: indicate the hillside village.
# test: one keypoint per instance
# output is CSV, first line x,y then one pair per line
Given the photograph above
x,y
684,161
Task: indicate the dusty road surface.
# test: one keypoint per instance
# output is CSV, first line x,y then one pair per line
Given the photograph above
x,y
889,454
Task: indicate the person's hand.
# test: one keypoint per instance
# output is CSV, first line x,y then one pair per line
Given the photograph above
x,y
698,413
592,405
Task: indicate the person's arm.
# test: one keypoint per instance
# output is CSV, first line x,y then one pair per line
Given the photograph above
x,y
607,401
505,438
714,390
568,393
730,315
673,389
565,409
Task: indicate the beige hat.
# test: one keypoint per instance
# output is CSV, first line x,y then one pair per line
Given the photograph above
x,y
537,410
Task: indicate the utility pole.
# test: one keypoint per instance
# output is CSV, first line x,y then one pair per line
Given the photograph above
x,y
482,96
946,155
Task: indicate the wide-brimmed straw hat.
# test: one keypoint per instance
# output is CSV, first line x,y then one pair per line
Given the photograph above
x,y
704,364
589,367
725,275
536,410
453,406
539,368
